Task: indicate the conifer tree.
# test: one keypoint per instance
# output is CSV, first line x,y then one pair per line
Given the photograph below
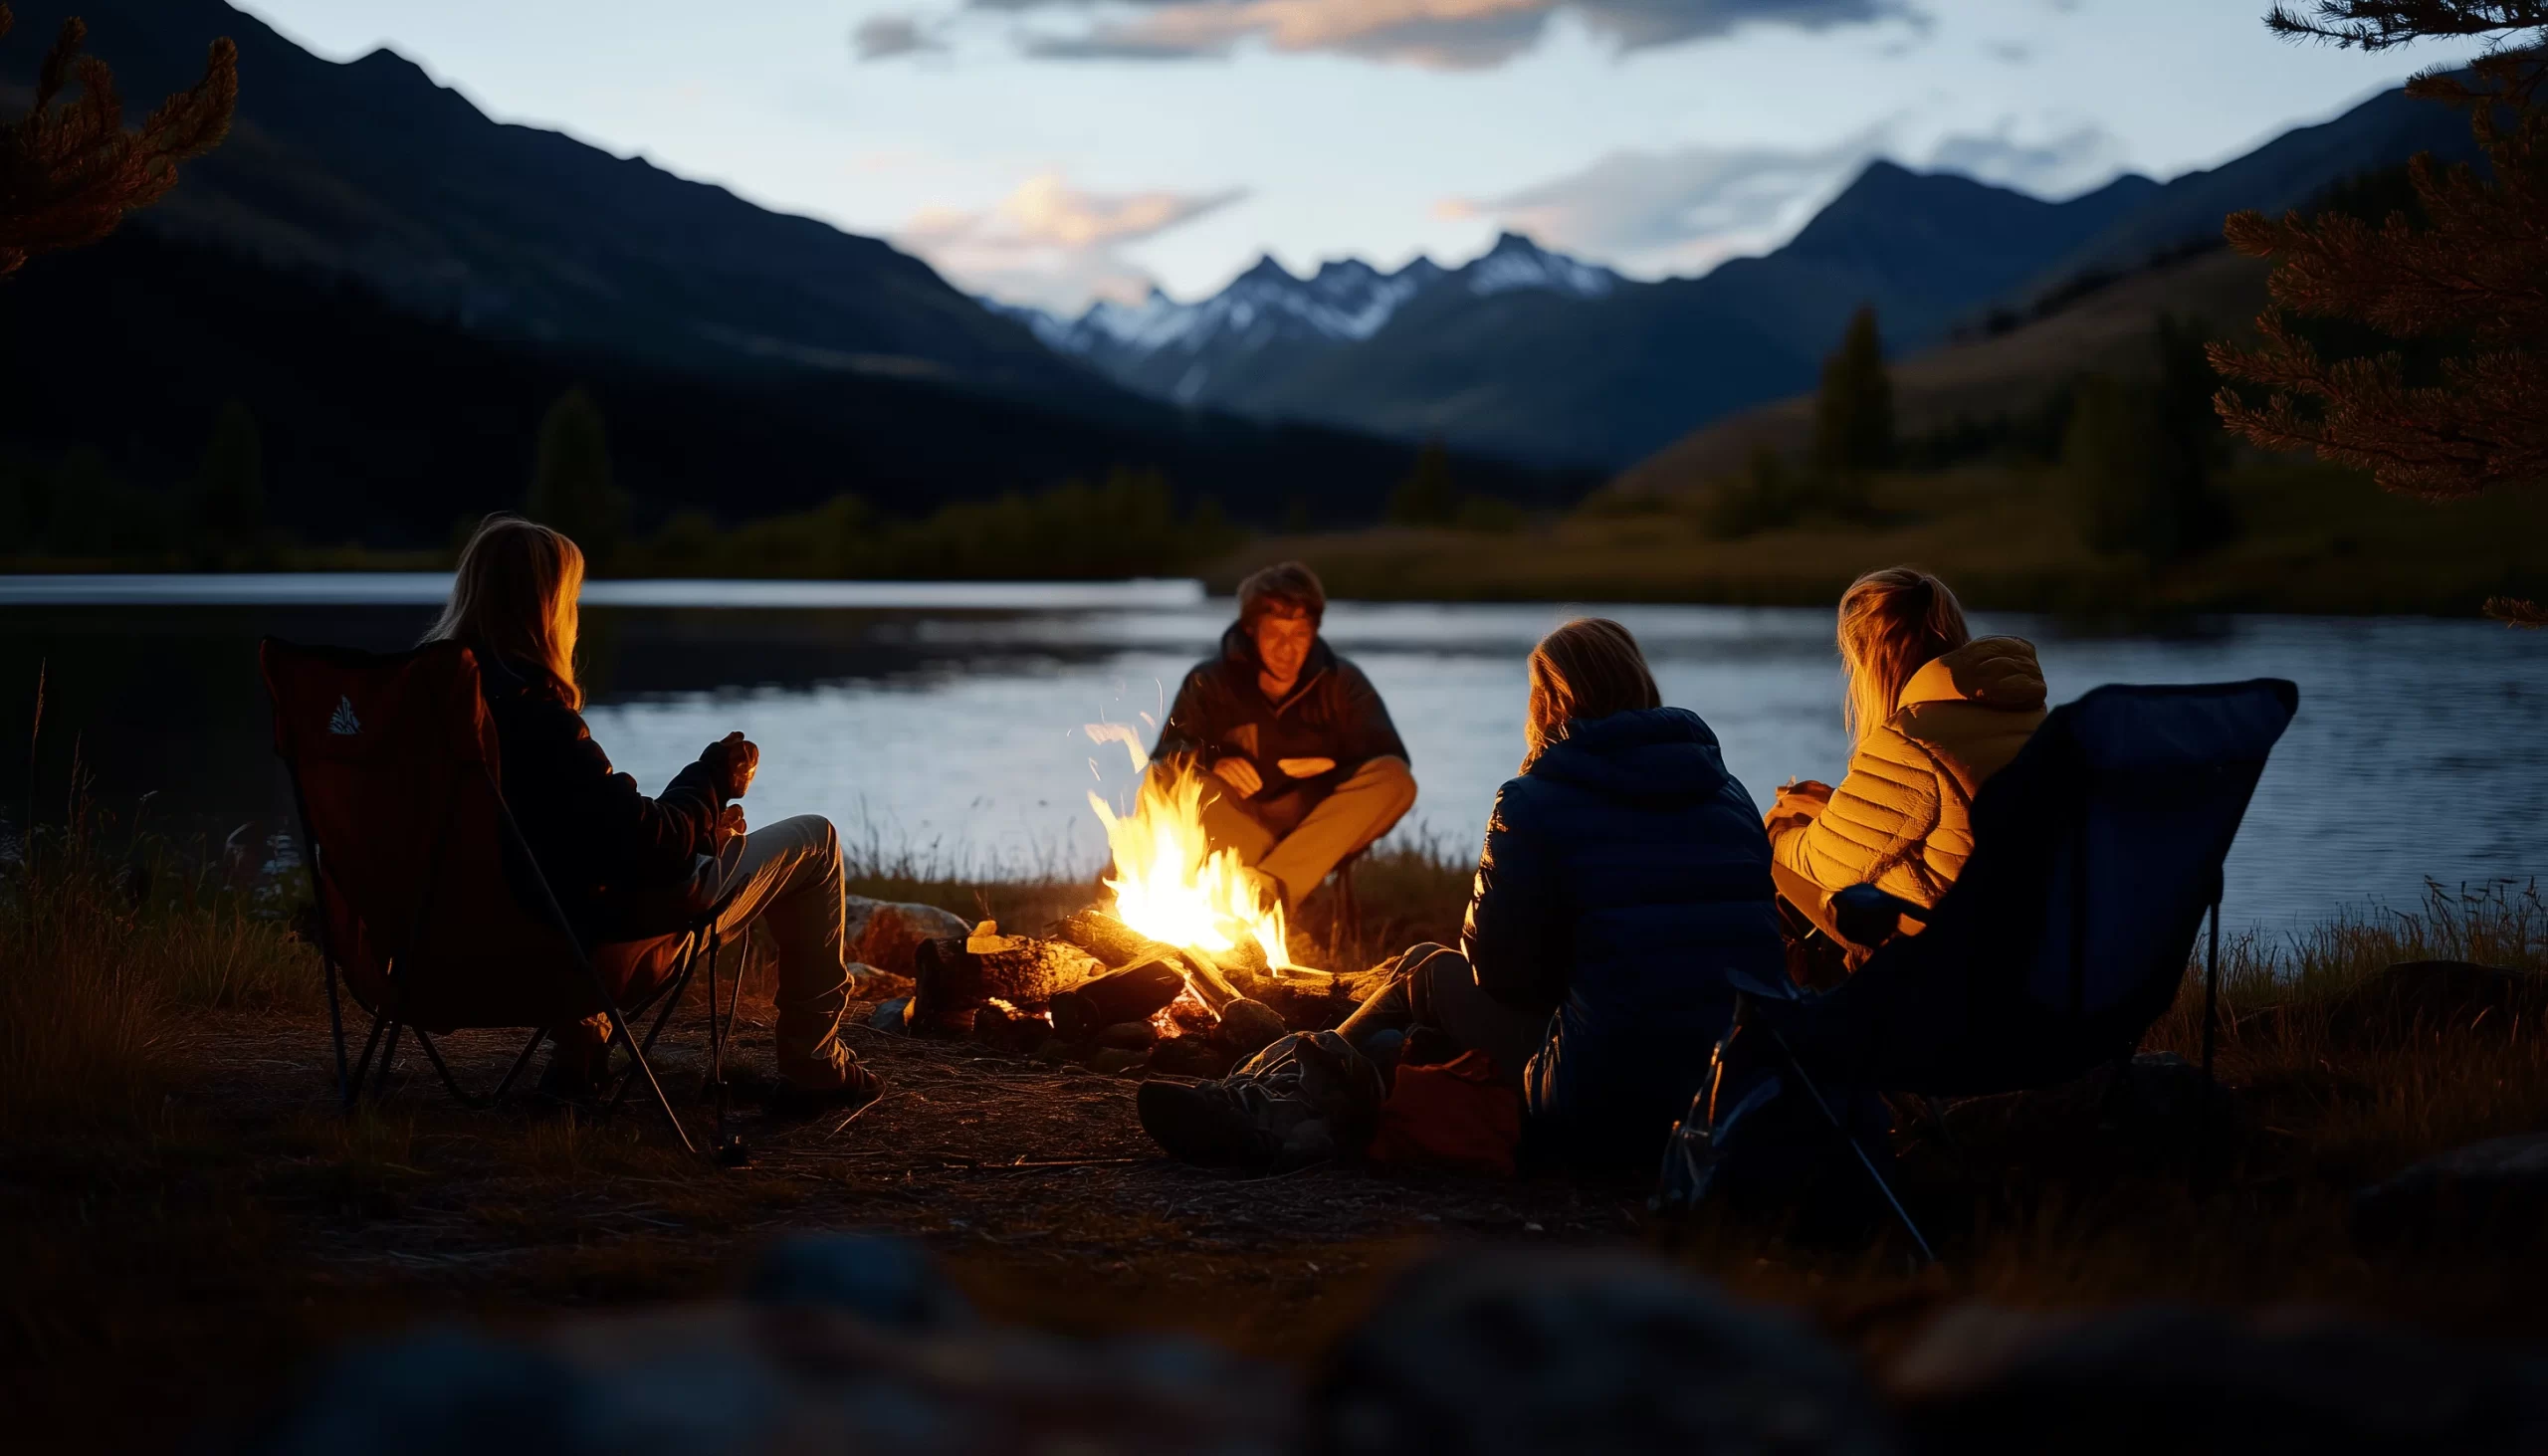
x,y
230,484
1854,412
570,482
1428,496
70,171
2465,285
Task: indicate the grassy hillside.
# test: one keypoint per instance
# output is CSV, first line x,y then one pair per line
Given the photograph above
x,y
2310,538
1982,379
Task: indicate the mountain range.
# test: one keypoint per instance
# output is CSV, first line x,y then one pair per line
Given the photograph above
x,y
1533,356
397,286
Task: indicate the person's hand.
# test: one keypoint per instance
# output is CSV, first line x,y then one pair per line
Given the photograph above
x,y
729,825
739,759
1812,790
1240,775
1303,767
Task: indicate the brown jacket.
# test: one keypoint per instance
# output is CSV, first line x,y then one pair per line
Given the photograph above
x,y
1902,819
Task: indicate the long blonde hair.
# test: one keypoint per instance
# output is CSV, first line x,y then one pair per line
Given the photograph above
x,y
514,596
1893,622
1590,668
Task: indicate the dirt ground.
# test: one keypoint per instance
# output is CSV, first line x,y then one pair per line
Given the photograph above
x,y
160,1289
157,1287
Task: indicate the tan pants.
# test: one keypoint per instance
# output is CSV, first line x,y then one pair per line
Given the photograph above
x,y
786,876
1300,844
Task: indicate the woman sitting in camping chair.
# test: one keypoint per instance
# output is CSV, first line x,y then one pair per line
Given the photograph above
x,y
1932,713
626,867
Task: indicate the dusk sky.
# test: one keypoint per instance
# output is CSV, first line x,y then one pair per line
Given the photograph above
x,y
1051,151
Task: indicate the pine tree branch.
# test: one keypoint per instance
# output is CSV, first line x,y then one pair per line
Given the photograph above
x,y
71,171
2515,612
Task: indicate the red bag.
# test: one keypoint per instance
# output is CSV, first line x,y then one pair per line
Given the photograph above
x,y
1456,1114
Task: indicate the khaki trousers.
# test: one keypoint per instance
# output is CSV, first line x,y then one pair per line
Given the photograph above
x,y
786,877
1300,844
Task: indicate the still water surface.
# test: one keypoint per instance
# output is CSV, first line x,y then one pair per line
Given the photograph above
x,y
947,720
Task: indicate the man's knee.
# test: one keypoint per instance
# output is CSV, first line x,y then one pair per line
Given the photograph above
x,y
1392,782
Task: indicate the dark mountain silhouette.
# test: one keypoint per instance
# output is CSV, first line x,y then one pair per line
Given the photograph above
x,y
370,170
397,287
385,427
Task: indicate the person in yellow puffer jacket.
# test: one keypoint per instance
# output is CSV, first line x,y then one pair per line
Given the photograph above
x,y
1933,712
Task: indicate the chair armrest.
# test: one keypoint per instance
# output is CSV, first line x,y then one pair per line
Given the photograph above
x,y
1867,916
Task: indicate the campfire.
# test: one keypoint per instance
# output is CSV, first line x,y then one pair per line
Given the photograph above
x,y
1185,967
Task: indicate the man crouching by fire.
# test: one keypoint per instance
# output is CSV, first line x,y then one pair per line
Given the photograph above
x,y
1305,767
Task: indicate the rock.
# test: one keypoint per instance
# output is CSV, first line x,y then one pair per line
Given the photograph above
x,y
886,934
888,1282
867,983
1494,1352
1192,1056
1116,1061
1010,1033
1248,1027
892,1016
438,1390
1982,1381
2162,1088
2436,996
2495,1189
1132,1035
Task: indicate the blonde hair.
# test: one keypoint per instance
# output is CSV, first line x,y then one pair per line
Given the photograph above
x,y
1590,668
1893,622
514,596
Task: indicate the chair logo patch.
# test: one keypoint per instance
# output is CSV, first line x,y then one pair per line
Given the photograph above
x,y
343,723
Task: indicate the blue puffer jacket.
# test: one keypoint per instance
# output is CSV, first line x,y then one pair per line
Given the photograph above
x,y
1626,874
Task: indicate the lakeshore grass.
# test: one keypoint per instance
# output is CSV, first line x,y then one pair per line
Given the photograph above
x,y
184,1214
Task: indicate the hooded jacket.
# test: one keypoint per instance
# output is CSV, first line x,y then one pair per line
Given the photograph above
x,y
1625,876
1332,712
1902,818
594,834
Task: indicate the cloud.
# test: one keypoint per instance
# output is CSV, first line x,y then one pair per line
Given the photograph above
x,y
882,37
2063,162
1050,243
1678,211
1442,34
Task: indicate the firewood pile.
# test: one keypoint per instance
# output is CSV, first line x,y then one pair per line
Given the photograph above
x,y
1092,990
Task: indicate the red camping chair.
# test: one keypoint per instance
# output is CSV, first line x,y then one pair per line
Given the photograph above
x,y
431,906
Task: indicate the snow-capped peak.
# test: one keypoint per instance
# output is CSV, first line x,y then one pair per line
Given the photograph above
x,y
1178,350
1517,262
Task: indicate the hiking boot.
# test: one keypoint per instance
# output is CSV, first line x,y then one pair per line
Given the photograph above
x,y
1200,1123
857,1085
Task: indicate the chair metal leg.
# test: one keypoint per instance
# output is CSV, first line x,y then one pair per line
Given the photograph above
x,y
452,1085
674,989
362,1064
336,1028
620,1035
1840,1126
388,1055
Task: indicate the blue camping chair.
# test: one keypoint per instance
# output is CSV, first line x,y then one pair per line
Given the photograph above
x,y
2097,852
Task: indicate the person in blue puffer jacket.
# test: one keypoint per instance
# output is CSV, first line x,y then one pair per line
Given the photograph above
x,y
1625,877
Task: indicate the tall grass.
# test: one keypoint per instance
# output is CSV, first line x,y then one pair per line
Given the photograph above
x,y
107,941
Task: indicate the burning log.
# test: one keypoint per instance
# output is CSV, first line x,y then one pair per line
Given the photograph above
x,y
1133,993
1104,936
956,979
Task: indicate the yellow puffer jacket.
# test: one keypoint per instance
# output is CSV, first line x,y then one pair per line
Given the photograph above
x,y
1903,817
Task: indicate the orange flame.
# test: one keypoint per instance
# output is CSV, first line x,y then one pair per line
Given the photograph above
x,y
1174,887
